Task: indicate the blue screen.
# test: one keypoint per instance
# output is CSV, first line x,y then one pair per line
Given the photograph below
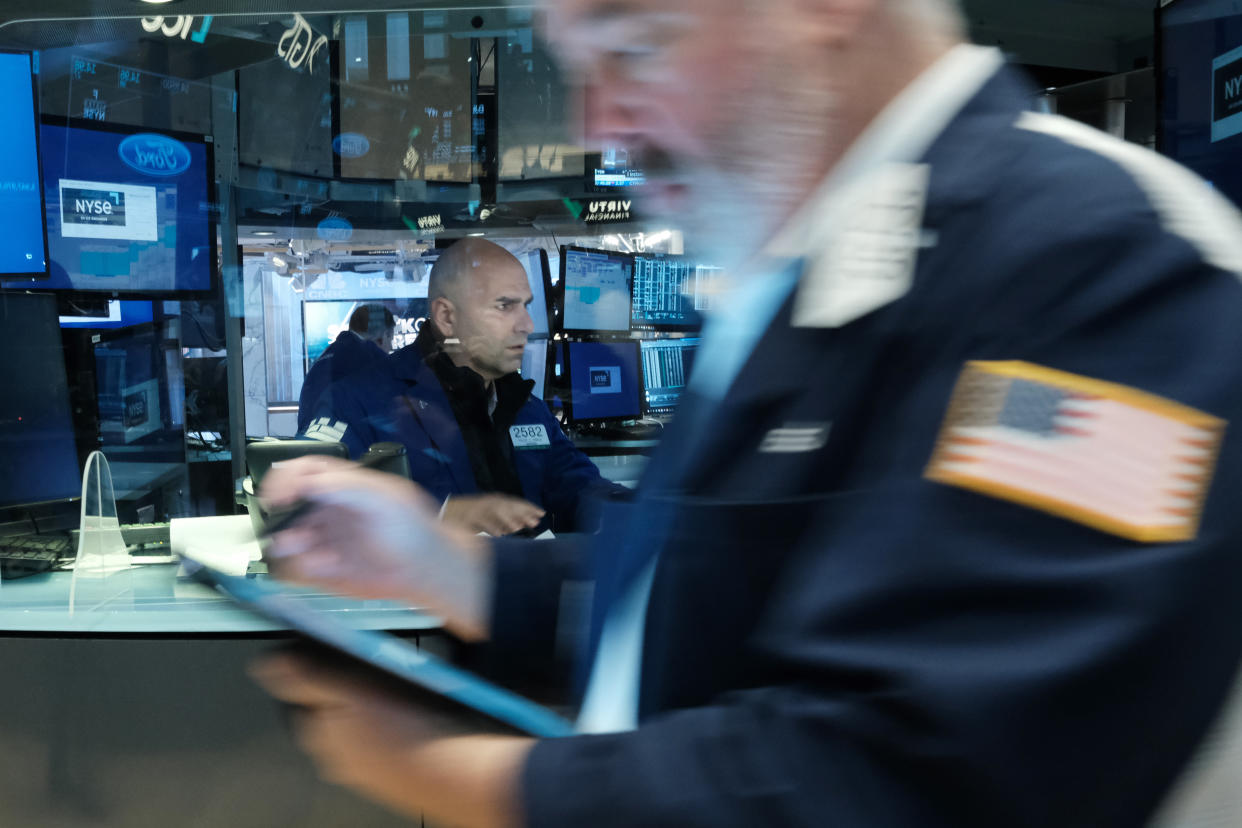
x,y
603,380
1200,116
22,248
38,460
126,212
120,314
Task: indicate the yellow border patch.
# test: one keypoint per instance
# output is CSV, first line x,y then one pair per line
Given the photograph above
x,y
948,451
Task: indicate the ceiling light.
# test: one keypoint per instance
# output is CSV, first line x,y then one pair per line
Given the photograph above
x,y
258,232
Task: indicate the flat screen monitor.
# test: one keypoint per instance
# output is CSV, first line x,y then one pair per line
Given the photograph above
x,y
615,170
323,322
596,289
535,365
604,382
38,455
666,370
128,210
540,278
1199,83
666,293
115,314
23,244
132,384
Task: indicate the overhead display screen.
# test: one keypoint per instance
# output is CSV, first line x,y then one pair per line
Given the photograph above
x,y
128,210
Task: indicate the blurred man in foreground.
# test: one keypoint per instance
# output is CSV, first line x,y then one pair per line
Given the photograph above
x,y
944,534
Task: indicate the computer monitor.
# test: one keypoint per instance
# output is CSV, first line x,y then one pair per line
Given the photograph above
x,y
263,454
540,278
38,454
114,314
23,244
1199,97
614,170
129,210
604,382
323,322
666,370
535,365
132,385
665,293
596,289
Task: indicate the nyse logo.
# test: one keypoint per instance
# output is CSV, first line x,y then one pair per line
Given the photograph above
x,y
89,206
135,409
153,154
97,206
605,380
1233,87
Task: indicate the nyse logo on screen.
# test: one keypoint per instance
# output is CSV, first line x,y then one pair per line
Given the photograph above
x,y
606,380
135,409
99,207
153,154
1227,95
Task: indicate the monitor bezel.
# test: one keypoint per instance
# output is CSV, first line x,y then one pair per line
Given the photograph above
x,y
212,291
45,273
600,333
545,273
568,400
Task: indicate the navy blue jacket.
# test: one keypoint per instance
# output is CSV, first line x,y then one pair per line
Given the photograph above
x,y
409,406
834,639
350,358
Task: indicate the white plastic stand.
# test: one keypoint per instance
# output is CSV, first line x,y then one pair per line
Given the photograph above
x,y
101,549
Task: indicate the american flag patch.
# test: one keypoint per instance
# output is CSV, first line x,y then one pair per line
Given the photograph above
x,y
1111,457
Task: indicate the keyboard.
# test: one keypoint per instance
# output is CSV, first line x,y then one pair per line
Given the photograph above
x,y
31,554
141,538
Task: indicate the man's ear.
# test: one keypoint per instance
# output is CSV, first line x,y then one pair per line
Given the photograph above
x,y
829,23
444,315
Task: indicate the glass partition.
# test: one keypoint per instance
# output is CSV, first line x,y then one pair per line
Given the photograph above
x,y
222,190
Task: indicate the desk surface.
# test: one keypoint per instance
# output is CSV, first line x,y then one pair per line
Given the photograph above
x,y
150,600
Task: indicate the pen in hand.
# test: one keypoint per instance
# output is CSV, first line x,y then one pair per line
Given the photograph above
x,y
278,521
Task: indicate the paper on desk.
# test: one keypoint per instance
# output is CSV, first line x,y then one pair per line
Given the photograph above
x,y
225,543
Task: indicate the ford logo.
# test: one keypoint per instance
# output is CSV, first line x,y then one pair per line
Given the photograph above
x,y
153,154
335,228
351,145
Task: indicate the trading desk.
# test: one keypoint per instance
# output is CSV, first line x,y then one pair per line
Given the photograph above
x,y
136,710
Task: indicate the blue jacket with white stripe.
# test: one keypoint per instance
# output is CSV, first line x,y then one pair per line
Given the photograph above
x,y
409,406
834,638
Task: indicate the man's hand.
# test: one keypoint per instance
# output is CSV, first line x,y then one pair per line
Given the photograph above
x,y
390,751
377,535
495,514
